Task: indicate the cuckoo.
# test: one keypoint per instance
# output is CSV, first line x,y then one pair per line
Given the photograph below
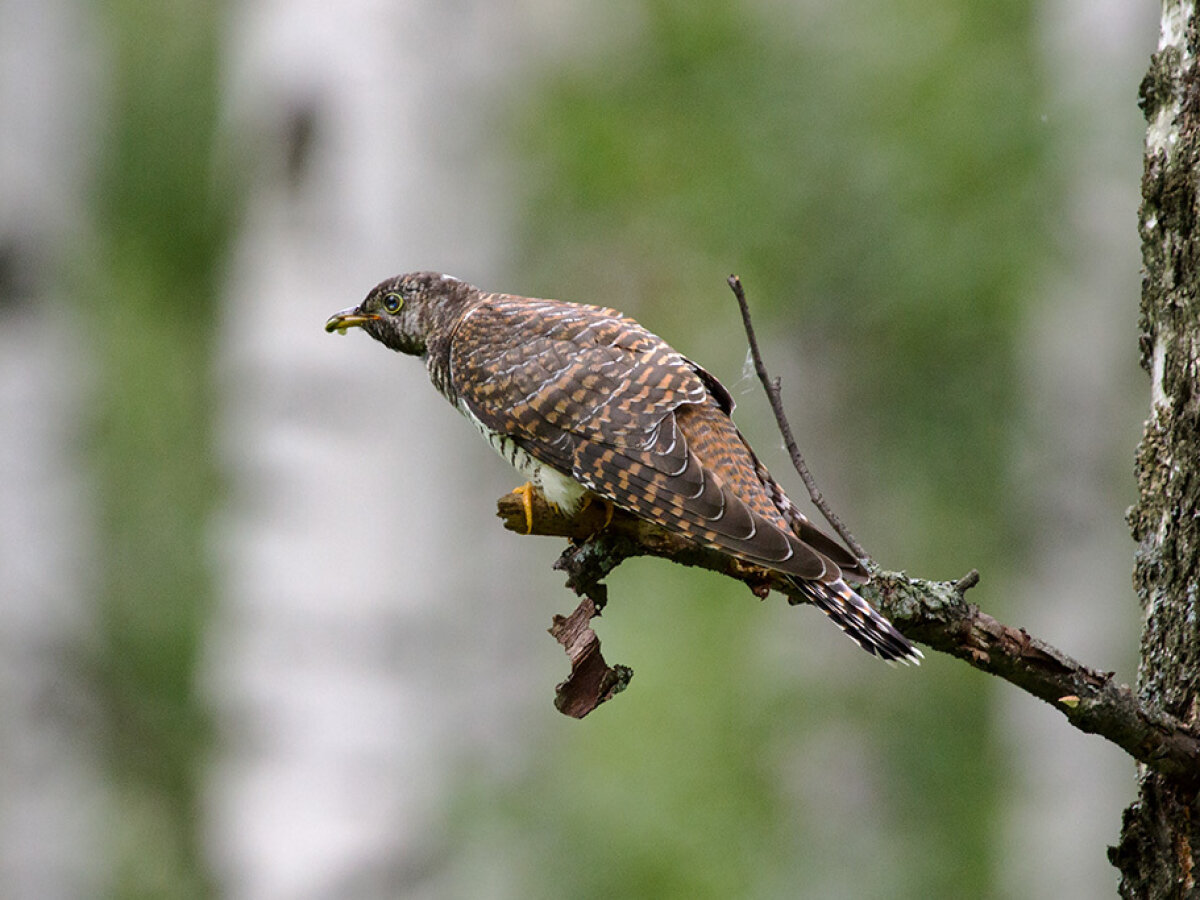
x,y
587,404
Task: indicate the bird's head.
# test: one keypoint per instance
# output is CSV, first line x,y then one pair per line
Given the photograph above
x,y
405,311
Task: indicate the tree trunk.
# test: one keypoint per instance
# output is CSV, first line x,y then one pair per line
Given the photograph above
x,y
338,743
1161,830
51,793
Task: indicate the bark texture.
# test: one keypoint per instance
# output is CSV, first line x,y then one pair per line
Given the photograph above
x,y
1161,830
934,613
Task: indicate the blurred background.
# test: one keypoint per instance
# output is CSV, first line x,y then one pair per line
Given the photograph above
x,y
261,635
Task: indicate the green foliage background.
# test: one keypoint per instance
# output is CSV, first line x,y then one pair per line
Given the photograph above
x,y
880,176
883,190
152,281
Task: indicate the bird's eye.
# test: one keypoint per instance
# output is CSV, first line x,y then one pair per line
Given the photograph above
x,y
392,302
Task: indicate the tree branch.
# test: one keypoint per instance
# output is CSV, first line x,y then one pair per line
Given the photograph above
x,y
932,612
771,386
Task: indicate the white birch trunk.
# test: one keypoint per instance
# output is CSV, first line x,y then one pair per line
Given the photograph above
x,y
370,604
50,791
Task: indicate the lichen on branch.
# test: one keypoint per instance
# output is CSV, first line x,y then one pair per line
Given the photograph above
x,y
935,613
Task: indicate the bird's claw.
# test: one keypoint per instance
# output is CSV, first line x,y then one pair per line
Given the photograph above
x,y
525,492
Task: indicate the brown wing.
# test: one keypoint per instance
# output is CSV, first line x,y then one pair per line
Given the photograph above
x,y
593,394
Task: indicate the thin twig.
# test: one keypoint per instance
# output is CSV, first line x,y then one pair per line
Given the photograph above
x,y
967,582
771,386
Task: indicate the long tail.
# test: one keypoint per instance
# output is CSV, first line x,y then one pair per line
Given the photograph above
x,y
860,621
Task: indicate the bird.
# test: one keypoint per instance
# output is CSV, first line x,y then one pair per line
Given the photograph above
x,y
589,405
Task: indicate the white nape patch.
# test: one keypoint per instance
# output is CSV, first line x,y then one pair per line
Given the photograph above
x,y
450,278
1158,362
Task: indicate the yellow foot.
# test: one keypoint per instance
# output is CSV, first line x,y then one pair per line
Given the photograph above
x,y
526,493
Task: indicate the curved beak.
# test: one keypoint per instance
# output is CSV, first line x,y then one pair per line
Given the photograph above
x,y
348,318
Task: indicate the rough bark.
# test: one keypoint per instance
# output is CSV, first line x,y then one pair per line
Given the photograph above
x,y
1161,830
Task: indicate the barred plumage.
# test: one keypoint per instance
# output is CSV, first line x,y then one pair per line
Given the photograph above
x,y
585,400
